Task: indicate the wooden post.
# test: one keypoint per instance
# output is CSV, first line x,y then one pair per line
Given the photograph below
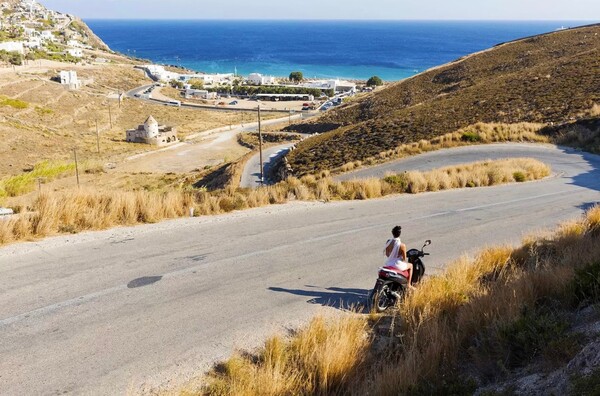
x,y
97,137
110,115
76,166
262,175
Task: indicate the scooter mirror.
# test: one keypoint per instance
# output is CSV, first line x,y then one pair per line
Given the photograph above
x,y
427,242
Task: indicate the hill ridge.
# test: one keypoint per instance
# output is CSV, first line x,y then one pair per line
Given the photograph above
x,y
548,78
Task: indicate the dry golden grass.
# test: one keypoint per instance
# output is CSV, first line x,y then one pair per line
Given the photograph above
x,y
86,209
436,325
317,360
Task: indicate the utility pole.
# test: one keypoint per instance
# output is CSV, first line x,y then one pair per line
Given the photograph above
x,y
97,137
76,166
262,175
290,117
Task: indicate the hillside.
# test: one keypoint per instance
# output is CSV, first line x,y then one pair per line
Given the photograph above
x,y
549,79
44,32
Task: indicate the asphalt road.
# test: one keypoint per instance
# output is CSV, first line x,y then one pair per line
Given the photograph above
x,y
104,312
251,173
456,156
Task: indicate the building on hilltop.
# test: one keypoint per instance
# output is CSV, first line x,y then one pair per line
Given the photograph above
x,y
69,79
151,133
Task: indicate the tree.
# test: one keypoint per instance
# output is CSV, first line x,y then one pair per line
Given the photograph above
x,y
196,83
374,81
176,84
296,76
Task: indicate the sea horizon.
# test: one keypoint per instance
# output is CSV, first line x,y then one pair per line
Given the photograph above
x,y
348,49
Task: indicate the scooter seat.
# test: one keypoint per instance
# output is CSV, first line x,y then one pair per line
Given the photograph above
x,y
396,270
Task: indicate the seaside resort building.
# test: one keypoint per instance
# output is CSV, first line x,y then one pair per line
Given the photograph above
x,y
151,133
259,79
198,93
338,86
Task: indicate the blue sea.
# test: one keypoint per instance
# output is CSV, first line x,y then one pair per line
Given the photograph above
x,y
393,50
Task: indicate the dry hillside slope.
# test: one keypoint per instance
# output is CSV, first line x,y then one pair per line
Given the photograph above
x,y
549,79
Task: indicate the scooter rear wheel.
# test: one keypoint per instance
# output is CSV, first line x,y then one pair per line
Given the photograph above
x,y
382,299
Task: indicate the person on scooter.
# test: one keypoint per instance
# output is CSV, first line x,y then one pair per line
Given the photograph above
x,y
395,252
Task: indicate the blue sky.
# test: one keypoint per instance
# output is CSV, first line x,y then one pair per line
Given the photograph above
x,y
332,9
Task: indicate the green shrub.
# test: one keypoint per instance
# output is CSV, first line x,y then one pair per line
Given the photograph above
x,y
586,285
15,103
398,182
531,336
519,177
470,137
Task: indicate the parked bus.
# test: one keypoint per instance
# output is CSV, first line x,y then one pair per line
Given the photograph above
x,y
176,103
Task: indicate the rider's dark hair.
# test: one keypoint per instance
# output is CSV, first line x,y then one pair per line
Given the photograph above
x,y
396,231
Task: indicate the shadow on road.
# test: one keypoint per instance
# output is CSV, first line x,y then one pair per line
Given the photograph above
x,y
591,178
335,297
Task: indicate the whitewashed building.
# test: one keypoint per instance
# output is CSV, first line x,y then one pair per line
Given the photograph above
x,y
47,35
338,86
160,73
69,79
200,94
13,46
34,43
75,52
74,44
208,79
259,79
30,32
151,133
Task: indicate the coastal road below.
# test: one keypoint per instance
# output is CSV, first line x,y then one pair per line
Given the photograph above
x,y
132,308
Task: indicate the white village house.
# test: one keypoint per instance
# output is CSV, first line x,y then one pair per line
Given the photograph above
x,y
151,133
13,46
75,52
47,35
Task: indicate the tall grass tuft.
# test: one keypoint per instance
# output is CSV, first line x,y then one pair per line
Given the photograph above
x,y
319,359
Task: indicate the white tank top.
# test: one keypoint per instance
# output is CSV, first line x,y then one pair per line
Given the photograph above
x,y
393,259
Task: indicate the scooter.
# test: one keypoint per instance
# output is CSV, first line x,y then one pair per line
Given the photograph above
x,y
392,283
